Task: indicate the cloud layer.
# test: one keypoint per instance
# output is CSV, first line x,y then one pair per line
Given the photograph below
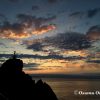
x,y
52,1
74,41
94,32
35,7
88,14
64,41
26,26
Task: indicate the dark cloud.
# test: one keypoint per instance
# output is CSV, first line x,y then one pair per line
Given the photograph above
x,y
32,68
93,61
52,1
36,46
95,28
28,19
91,13
73,41
31,65
76,14
2,44
15,30
35,7
85,14
20,28
43,29
94,32
53,56
17,27
40,21
64,41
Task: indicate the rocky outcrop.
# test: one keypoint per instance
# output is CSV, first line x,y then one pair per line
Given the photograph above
x,y
16,85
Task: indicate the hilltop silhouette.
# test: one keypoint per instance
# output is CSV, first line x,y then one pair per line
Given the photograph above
x,y
16,85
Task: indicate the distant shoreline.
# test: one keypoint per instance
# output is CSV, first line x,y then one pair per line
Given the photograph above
x,y
64,76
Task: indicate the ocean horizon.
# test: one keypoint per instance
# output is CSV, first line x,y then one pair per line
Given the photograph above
x,y
65,88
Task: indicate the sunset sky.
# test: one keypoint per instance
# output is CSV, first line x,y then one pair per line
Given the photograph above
x,y
51,36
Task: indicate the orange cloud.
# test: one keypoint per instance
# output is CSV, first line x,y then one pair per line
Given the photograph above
x,y
9,33
43,29
82,53
93,35
63,66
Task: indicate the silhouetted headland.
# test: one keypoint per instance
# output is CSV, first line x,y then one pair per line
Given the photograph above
x,y
16,85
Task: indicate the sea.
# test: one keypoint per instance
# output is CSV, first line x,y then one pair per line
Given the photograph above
x,y
72,89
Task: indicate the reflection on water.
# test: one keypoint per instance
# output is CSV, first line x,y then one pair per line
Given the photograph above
x,y
64,88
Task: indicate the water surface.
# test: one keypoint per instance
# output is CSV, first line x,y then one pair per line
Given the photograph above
x,y
65,88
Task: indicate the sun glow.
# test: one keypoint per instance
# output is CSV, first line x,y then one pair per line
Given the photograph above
x,y
82,53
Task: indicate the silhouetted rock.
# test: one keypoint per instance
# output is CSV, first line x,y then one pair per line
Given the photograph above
x,y
43,90
16,85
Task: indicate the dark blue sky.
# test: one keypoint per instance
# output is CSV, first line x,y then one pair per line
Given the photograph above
x,y
59,8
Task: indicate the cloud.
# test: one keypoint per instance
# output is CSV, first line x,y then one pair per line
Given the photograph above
x,y
26,19
26,26
53,56
64,41
72,41
31,69
30,65
16,30
93,61
44,29
76,14
94,33
2,43
85,14
38,23
91,13
30,20
35,7
52,1
36,46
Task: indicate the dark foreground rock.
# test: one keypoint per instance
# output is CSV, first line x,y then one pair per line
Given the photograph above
x,y
16,85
